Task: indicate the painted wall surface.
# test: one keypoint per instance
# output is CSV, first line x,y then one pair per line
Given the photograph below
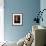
x,y
43,6
28,8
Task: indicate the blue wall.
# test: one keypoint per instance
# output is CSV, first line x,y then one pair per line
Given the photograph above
x,y
28,8
43,6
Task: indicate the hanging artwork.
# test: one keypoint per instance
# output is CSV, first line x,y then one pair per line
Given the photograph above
x,y
17,19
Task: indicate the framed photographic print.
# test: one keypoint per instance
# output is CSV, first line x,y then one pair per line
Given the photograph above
x,y
17,19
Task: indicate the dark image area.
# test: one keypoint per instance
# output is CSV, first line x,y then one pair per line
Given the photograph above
x,y
17,19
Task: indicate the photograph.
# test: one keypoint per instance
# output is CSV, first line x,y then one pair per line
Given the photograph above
x,y
17,19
